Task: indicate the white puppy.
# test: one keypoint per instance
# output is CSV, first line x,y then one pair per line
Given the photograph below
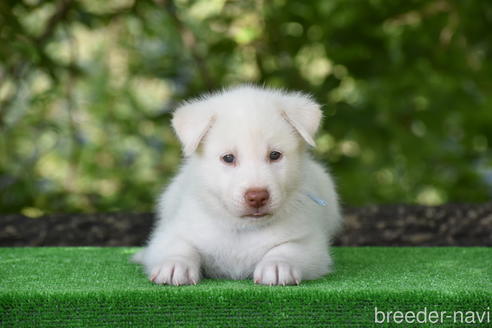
x,y
248,202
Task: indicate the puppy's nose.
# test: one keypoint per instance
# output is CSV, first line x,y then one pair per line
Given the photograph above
x,y
256,198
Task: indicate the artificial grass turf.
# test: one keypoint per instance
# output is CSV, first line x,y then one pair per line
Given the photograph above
x,y
90,286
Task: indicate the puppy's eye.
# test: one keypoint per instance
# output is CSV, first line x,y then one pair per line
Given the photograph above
x,y
275,155
229,158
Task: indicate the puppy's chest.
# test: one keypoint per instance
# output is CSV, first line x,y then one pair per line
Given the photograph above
x,y
232,256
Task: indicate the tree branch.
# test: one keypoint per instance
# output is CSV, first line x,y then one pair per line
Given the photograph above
x,y
189,40
59,15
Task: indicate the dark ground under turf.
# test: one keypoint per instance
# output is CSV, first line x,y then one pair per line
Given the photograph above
x,y
382,225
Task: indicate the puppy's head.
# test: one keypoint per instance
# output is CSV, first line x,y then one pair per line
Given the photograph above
x,y
248,145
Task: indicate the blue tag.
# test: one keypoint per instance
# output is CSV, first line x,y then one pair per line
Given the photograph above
x,y
317,200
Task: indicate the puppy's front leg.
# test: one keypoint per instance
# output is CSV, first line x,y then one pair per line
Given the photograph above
x,y
179,265
289,263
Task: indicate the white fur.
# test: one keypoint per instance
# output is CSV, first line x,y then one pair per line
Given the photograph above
x,y
201,228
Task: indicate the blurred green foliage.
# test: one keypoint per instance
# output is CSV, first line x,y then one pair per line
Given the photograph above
x,y
87,87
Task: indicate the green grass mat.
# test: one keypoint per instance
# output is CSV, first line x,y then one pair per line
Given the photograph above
x,y
95,287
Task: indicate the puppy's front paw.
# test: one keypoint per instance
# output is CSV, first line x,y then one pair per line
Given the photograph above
x,y
176,272
276,273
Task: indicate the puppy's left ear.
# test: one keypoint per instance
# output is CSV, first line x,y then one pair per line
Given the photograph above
x,y
191,122
303,113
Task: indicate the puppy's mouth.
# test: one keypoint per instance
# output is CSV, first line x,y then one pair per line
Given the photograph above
x,y
256,214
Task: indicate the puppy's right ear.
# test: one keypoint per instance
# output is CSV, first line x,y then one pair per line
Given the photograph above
x,y
191,124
